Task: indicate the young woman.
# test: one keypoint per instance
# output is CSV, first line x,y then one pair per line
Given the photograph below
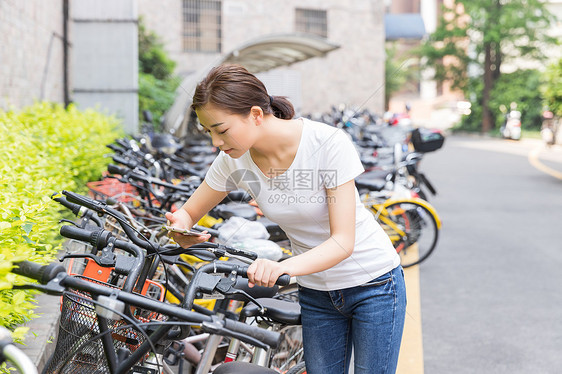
x,y
301,173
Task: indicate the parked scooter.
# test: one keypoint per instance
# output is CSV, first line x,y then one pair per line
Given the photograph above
x,y
511,128
549,128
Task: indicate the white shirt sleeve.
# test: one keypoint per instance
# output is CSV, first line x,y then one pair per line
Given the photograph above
x,y
217,176
341,160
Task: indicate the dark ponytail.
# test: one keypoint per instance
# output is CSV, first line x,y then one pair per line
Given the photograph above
x,y
234,89
282,107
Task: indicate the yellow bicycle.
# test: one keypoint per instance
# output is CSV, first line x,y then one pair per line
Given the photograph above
x,y
412,225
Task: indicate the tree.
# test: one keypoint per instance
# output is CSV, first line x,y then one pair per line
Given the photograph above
x,y
552,88
157,82
397,73
478,36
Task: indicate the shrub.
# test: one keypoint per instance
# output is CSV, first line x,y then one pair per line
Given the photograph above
x,y
521,87
45,149
552,87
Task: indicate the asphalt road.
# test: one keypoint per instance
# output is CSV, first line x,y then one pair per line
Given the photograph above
x,y
491,294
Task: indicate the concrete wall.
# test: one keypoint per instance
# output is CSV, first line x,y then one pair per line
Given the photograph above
x,y
105,57
31,57
353,75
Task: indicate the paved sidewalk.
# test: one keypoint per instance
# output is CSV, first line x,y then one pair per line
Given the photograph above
x,y
40,340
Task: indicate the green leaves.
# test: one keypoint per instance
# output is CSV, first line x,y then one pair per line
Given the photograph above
x,y
502,30
157,83
46,148
552,87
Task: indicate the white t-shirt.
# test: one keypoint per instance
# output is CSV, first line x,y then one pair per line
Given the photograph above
x,y
296,200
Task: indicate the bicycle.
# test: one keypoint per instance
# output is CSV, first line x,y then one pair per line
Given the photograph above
x,y
99,239
412,224
97,307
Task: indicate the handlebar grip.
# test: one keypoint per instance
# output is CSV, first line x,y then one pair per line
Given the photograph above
x,y
97,238
123,143
82,200
214,233
283,280
75,208
271,338
114,169
115,148
123,161
42,273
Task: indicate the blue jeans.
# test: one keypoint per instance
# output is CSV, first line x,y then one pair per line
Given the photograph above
x,y
369,318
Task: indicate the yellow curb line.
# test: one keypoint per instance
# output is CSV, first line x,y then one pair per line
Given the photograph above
x,y
534,160
410,360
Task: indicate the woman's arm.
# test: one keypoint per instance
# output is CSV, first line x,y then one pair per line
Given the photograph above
x,y
203,199
341,211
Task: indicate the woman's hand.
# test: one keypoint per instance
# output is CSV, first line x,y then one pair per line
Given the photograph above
x,y
181,220
265,273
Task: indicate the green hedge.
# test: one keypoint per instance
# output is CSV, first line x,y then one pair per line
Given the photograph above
x,y
45,149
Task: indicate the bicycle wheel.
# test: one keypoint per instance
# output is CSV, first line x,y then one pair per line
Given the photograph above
x,y
289,352
299,368
413,227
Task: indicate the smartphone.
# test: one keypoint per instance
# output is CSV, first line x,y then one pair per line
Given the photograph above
x,y
183,231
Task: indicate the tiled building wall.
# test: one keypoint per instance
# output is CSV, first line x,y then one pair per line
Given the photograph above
x,y
31,52
353,74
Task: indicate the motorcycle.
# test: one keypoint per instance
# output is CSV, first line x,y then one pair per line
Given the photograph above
x,y
549,128
511,129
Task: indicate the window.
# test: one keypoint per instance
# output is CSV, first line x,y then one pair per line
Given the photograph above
x,y
201,26
311,21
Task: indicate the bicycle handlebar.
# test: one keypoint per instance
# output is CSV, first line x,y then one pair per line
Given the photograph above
x,y
41,273
121,160
74,208
101,239
102,208
214,233
45,273
97,238
129,173
114,169
9,352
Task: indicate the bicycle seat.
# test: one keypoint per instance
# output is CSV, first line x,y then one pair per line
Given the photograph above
x,y
238,367
244,210
371,184
237,196
282,311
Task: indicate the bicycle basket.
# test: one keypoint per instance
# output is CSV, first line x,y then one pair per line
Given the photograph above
x,y
77,349
106,188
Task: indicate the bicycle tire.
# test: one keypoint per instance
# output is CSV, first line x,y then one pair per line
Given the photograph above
x,y
290,350
299,368
419,223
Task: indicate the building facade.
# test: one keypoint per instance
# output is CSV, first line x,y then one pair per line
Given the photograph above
x,y
80,51
31,57
196,33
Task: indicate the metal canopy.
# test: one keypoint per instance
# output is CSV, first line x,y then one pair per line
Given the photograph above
x,y
273,51
259,55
